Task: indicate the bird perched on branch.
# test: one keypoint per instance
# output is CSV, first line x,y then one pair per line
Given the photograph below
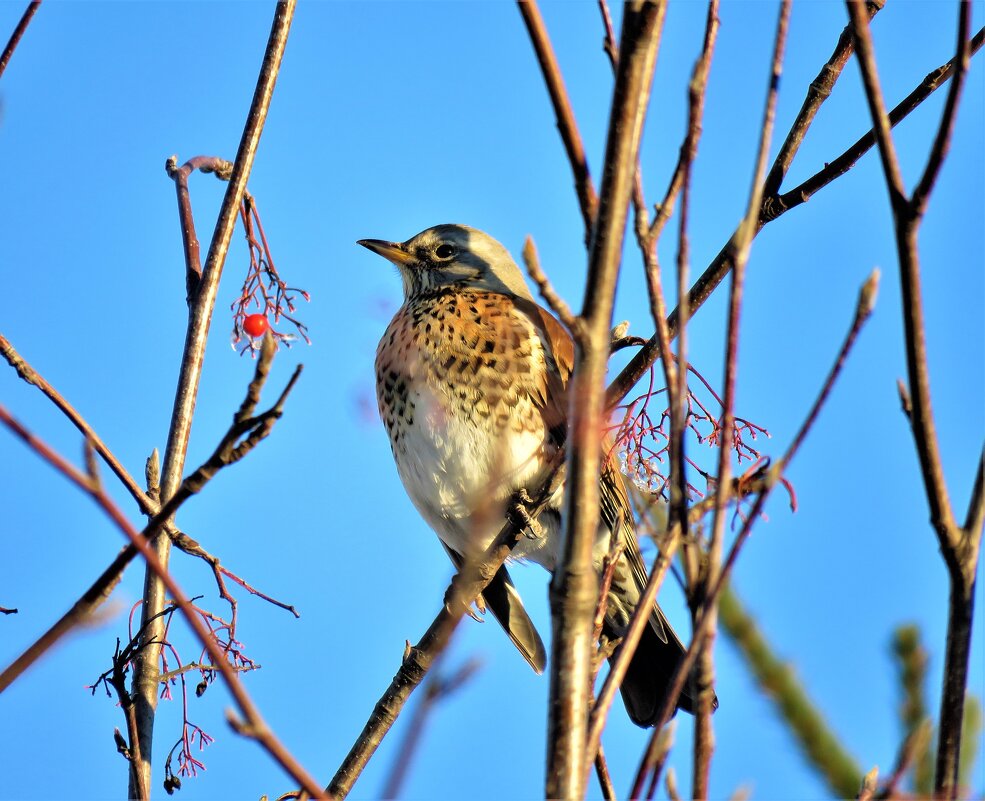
x,y
471,378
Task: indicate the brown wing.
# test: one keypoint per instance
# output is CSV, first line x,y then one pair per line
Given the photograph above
x,y
560,352
660,649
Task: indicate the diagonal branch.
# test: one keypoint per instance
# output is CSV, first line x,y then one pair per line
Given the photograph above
x,y
465,587
568,128
18,34
942,142
253,724
838,166
246,432
818,91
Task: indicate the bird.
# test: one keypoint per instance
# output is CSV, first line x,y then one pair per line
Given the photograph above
x,y
471,380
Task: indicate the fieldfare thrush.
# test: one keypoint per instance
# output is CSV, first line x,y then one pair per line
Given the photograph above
x,y
470,379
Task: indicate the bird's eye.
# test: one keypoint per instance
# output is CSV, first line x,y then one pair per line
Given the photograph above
x,y
444,251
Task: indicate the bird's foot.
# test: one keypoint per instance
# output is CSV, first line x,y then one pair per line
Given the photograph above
x,y
475,610
532,529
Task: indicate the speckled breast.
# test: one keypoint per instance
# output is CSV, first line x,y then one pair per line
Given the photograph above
x,y
457,378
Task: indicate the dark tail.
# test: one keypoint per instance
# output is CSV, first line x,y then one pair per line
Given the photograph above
x,y
504,602
648,678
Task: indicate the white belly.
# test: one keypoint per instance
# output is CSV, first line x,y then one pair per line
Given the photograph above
x,y
459,472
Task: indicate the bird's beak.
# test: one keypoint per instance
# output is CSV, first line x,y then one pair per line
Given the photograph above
x,y
391,251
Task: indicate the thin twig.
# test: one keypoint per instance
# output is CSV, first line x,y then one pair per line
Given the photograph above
x,y
705,675
942,141
665,741
604,777
244,434
630,640
148,502
31,376
697,89
838,166
145,679
568,128
15,37
557,304
720,265
223,170
818,91
438,689
771,478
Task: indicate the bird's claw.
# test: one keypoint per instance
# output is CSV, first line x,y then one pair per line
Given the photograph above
x,y
532,529
475,610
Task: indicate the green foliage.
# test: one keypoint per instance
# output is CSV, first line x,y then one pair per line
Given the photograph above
x,y
819,744
912,660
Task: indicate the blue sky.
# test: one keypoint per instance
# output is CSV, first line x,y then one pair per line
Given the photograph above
x,y
389,118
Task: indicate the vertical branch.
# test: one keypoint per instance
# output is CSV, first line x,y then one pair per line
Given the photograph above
x,y
703,737
575,584
681,182
145,678
959,545
647,235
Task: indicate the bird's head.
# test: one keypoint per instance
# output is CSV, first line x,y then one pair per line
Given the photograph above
x,y
451,255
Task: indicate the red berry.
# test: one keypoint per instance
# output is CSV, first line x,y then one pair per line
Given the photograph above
x,y
255,325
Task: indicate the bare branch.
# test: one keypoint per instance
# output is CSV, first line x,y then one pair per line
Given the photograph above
x,y
975,518
574,586
631,639
547,291
877,106
769,480
942,142
818,91
843,163
438,688
145,679
465,587
18,33
189,239
703,737
566,124
258,728
605,779
243,435
773,208
31,376
959,548
697,89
